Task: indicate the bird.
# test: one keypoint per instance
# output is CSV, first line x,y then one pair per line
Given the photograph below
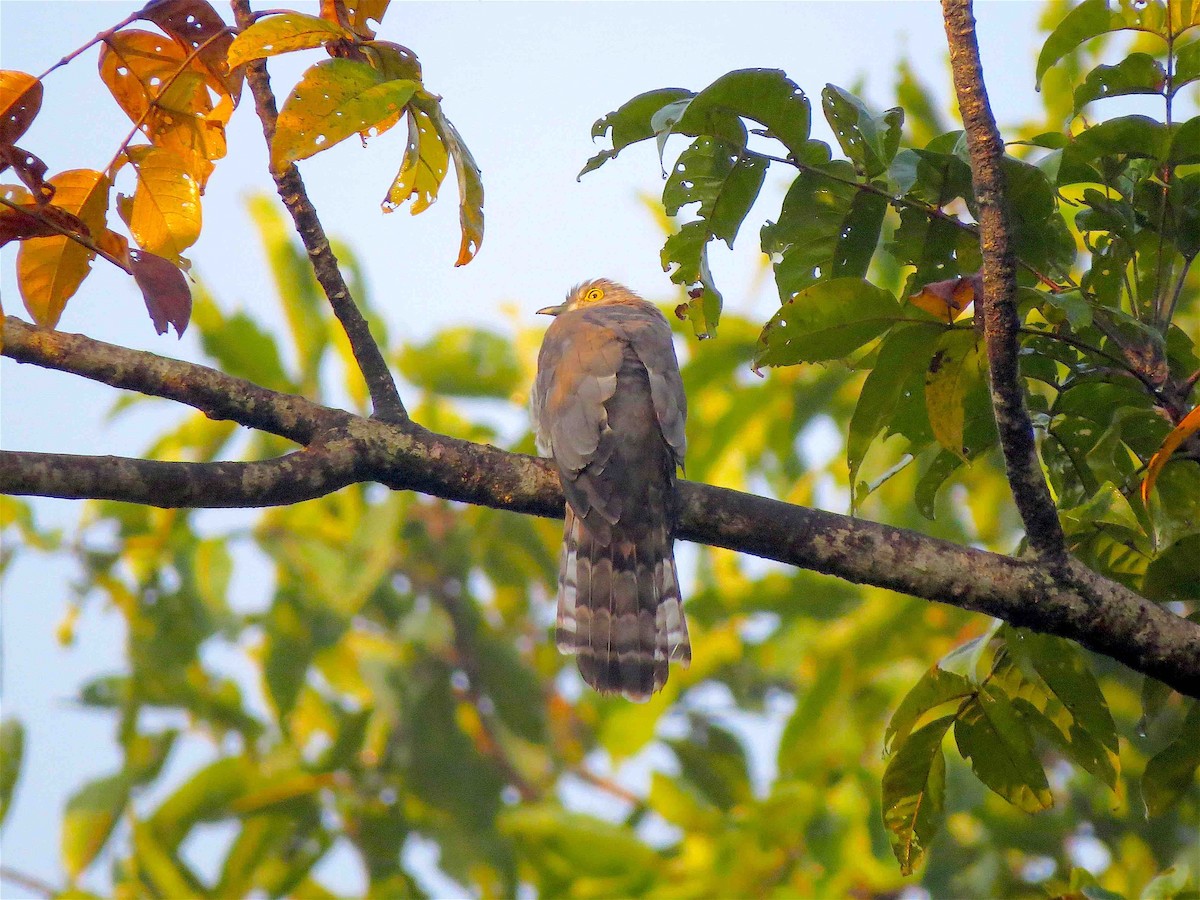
x,y
609,409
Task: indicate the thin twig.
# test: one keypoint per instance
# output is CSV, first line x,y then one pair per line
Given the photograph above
x,y
99,38
385,399
999,306
80,239
28,882
1169,313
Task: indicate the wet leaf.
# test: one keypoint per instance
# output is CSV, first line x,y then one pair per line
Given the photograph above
x,y
50,269
335,99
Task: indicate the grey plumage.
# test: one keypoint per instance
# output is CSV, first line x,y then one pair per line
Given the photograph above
x,y
609,408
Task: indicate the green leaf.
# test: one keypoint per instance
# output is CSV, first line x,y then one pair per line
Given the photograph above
x,y
207,795
630,123
160,868
88,820
687,251
869,141
925,494
956,367
1000,747
1172,770
1187,65
828,320
720,179
796,742
1138,73
283,33
914,793
335,99
904,354
241,345
713,760
936,687
1093,18
1129,136
12,752
1174,883
464,362
766,96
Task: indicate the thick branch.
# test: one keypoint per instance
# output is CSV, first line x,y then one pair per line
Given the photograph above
x,y
1083,606
312,472
385,400
999,302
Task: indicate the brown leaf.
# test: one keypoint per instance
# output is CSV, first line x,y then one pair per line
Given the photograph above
x,y
30,220
947,299
30,169
165,290
20,100
192,23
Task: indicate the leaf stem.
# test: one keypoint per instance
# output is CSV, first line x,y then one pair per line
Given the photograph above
x,y
67,233
99,38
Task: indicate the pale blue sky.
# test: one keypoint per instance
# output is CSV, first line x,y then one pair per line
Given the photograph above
x,y
523,82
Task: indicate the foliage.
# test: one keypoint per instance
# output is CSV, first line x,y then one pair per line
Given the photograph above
x,y
405,686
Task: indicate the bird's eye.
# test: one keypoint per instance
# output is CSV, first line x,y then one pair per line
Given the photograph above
x,y
593,295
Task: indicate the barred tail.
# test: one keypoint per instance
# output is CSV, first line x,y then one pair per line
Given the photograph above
x,y
619,609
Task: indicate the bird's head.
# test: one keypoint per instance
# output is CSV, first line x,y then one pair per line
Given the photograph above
x,y
598,291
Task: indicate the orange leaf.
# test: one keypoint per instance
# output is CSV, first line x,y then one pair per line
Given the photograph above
x,y
947,299
50,269
194,24
176,108
1189,426
30,169
20,100
30,220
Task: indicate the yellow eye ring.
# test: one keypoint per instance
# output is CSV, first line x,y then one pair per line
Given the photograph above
x,y
593,295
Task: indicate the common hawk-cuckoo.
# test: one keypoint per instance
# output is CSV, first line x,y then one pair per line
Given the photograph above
x,y
609,408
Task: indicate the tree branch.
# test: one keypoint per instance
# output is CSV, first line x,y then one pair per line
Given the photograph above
x,y
385,399
312,472
999,301
1080,605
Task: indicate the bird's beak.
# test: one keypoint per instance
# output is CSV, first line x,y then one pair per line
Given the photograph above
x,y
551,310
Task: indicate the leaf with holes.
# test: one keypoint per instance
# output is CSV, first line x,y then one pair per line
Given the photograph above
x,y
335,99
722,181
284,33
914,793
50,269
164,213
870,141
423,168
20,100
1138,73
828,320
197,28
631,123
27,219
470,183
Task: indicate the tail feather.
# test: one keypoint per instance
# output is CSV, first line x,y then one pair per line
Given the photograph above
x,y
619,609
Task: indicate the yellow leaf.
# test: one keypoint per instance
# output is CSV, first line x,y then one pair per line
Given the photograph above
x,y
955,365
1189,426
358,11
282,34
20,100
425,164
335,99
164,216
50,269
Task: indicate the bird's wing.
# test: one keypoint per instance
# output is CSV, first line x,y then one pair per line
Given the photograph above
x,y
650,336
